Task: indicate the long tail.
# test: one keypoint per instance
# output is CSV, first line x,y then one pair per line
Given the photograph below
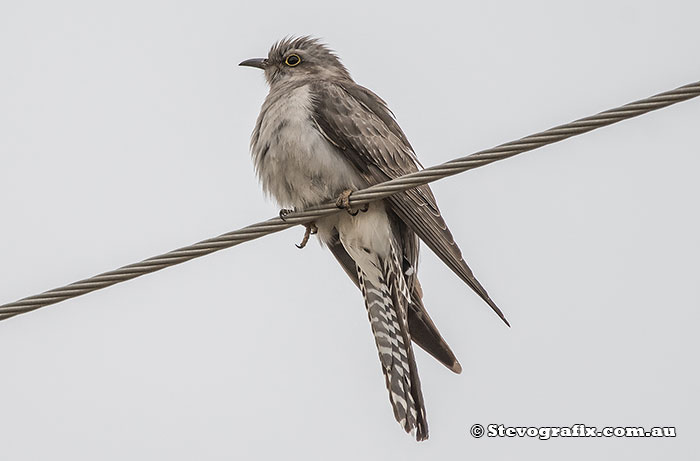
x,y
387,300
422,328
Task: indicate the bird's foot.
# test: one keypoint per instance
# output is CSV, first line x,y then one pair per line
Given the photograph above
x,y
343,202
311,229
284,212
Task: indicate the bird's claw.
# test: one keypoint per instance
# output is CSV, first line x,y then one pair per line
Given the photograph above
x,y
311,229
284,212
343,202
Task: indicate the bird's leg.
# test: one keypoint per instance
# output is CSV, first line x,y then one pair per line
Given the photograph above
x,y
286,211
311,229
343,202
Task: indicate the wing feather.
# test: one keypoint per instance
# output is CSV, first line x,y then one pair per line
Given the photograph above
x,y
360,124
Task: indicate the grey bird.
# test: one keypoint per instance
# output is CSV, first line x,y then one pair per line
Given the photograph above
x,y
318,137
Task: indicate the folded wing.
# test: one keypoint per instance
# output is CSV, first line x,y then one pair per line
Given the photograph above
x,y
360,124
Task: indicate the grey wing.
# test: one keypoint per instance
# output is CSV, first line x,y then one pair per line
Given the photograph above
x,y
361,125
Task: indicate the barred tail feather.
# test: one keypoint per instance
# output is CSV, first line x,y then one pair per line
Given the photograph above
x,y
387,299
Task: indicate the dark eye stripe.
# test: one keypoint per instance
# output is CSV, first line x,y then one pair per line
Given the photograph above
x,y
292,60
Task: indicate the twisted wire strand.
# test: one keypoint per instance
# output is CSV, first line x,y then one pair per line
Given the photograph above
x,y
370,194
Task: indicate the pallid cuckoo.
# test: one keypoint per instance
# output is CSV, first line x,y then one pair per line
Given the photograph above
x,y
319,136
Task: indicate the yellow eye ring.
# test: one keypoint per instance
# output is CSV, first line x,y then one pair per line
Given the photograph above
x,y
292,60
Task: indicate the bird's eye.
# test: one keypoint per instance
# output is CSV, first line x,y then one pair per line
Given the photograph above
x,y
292,60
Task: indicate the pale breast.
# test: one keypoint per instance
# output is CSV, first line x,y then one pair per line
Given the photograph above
x,y
296,165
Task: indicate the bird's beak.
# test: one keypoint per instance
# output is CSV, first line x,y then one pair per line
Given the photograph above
x,y
260,63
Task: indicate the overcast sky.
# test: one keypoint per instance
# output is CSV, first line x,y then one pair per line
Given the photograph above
x,y
124,133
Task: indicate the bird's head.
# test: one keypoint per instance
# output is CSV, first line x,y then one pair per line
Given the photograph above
x,y
297,59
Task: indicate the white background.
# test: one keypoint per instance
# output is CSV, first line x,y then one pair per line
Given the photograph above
x,y
124,133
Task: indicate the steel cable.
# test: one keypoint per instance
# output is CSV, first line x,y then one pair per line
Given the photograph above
x,y
370,194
